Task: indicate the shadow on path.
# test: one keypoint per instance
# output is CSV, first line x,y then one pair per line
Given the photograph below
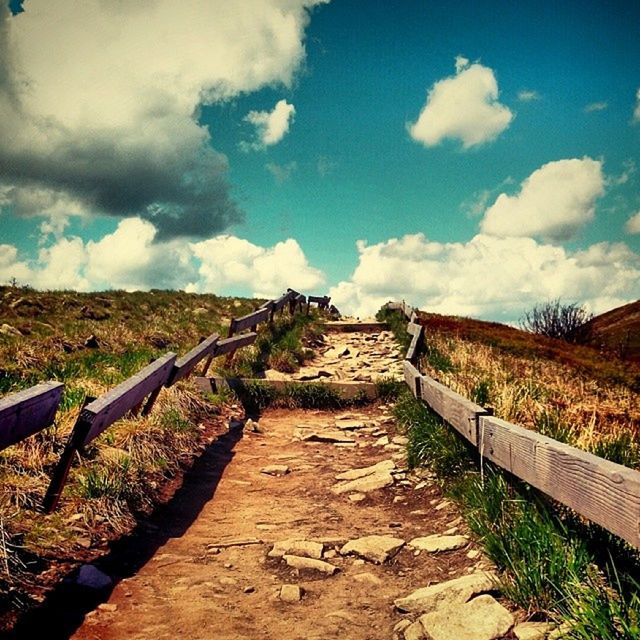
x,y
65,608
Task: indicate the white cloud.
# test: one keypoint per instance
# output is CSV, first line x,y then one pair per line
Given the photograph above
x,y
271,126
487,277
596,106
633,224
636,111
102,109
131,259
463,106
553,203
227,261
528,95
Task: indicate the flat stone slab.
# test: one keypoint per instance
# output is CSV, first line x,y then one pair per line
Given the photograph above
x,y
275,470
482,618
310,564
447,594
436,542
297,547
378,480
376,549
323,435
290,593
354,474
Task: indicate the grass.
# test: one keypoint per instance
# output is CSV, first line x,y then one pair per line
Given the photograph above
x,y
91,342
547,557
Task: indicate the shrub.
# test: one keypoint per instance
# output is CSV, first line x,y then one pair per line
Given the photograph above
x,y
556,320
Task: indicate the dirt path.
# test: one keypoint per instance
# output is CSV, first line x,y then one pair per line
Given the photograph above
x,y
189,590
191,577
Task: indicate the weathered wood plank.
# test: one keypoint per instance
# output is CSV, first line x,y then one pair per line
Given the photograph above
x,y
282,301
26,412
412,378
414,329
187,363
114,404
250,320
231,344
602,491
460,413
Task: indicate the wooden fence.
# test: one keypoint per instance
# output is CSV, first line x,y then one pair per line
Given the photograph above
x,y
601,491
27,412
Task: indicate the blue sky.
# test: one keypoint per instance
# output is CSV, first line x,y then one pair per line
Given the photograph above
x,y
444,210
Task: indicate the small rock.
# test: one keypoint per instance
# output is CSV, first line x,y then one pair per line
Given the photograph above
x,y
249,589
532,630
364,485
275,470
84,542
421,485
401,440
381,442
435,543
8,330
374,548
482,618
356,497
350,425
290,593
228,582
402,625
354,474
310,564
414,631
297,547
473,554
442,505
252,426
107,606
92,342
92,578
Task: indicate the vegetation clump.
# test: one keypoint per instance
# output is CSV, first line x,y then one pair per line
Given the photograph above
x,y
557,320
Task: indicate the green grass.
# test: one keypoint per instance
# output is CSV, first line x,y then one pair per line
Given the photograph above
x,y
397,324
548,557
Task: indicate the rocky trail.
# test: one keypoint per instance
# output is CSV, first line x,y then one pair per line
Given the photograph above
x,y
303,525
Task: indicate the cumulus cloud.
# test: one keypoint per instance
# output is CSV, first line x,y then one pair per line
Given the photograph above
x,y
528,95
463,106
633,224
227,261
131,258
103,112
553,203
271,126
487,277
636,111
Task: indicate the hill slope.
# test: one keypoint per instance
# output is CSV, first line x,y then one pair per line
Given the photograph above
x,y
618,331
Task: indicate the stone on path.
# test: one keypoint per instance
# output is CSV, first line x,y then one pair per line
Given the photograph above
x,y
367,578
324,435
532,630
354,474
275,470
310,564
350,425
414,631
290,593
437,542
482,618
297,547
376,549
446,594
375,481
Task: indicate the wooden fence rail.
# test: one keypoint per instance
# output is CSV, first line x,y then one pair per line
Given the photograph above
x,y
604,492
25,413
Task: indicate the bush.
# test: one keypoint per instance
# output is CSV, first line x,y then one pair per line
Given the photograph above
x,y
556,320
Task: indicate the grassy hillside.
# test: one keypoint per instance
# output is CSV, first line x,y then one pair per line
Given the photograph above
x,y
571,393
91,342
618,332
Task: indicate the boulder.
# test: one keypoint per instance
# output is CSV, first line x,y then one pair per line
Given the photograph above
x,y
446,594
482,618
374,548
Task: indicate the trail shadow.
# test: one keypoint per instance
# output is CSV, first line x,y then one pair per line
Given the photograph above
x,y
65,608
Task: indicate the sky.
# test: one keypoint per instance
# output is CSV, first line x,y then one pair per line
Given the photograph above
x,y
470,158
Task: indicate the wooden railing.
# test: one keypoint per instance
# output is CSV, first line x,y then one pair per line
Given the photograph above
x,y
601,491
27,412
